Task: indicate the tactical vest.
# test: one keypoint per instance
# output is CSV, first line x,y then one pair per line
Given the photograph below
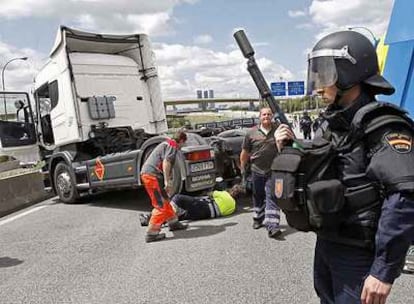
x,y
324,187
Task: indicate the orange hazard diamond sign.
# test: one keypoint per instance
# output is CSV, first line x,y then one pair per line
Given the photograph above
x,y
99,169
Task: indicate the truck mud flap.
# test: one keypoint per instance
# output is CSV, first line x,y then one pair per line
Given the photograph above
x,y
114,170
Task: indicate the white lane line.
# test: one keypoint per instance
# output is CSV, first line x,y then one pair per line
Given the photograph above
x,y
10,219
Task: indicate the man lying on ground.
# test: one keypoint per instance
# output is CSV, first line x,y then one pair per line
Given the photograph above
x,y
216,204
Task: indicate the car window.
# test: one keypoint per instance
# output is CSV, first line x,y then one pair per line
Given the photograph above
x,y
194,140
232,133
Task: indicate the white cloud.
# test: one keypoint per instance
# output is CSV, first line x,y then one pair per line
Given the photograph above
x,y
110,16
184,69
295,14
19,74
333,15
203,39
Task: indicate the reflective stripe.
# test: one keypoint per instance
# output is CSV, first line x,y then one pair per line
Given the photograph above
x,y
271,220
342,53
257,209
261,214
216,209
210,206
277,212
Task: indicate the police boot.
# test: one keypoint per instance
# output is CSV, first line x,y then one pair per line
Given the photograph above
x,y
176,225
153,237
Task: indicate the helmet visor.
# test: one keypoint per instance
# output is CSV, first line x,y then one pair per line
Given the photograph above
x,y
321,73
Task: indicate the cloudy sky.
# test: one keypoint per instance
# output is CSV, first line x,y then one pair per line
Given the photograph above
x,y
192,39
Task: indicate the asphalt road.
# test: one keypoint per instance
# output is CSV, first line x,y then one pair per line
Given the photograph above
x,y
95,253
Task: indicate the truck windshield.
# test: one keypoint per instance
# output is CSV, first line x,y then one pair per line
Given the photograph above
x,y
16,121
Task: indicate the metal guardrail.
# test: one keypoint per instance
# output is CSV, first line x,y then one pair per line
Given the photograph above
x,y
230,124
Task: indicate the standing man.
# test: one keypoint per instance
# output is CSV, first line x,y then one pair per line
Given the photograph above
x,y
305,125
259,149
359,259
156,177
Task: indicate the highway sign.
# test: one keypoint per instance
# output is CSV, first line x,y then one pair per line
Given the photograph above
x,y
278,88
296,87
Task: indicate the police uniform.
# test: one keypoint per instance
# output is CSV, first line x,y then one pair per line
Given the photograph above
x,y
361,204
377,172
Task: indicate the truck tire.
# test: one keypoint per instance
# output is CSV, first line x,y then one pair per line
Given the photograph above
x,y
176,178
65,184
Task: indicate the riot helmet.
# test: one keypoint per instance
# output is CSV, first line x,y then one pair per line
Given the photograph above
x,y
345,59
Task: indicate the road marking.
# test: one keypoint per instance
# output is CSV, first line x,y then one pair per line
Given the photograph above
x,y
10,219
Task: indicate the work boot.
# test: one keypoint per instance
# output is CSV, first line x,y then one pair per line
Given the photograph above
x,y
176,225
144,219
257,224
274,233
154,237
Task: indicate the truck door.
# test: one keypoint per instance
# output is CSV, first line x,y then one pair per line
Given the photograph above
x,y
17,130
46,100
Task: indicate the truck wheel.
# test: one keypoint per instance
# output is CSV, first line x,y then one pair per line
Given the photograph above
x,y
176,177
65,184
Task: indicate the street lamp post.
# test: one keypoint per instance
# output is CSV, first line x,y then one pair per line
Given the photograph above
x,y
376,40
2,80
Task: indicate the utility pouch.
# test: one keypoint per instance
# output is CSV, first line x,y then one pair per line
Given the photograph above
x,y
325,203
284,169
361,197
289,188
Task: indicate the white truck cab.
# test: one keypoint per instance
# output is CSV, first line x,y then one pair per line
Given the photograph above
x,y
100,113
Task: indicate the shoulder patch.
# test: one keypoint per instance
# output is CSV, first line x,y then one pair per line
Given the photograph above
x,y
399,142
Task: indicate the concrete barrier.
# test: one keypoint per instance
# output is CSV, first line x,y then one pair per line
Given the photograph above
x,y
19,191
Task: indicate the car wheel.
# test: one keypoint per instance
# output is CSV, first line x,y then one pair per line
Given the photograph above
x,y
65,183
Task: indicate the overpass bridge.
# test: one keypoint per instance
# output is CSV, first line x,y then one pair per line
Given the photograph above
x,y
210,100
203,104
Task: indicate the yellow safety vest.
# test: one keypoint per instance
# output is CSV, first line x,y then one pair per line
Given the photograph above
x,y
225,202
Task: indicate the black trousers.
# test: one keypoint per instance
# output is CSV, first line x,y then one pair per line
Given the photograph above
x,y
196,207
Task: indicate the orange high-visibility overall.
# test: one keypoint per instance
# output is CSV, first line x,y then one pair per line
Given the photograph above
x,y
163,211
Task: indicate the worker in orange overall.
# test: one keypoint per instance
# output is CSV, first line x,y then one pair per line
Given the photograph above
x,y
156,177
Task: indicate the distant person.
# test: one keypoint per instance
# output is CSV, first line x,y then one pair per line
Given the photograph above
x,y
216,204
156,177
317,122
305,125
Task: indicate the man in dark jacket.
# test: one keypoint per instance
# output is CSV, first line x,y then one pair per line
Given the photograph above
x,y
359,259
305,125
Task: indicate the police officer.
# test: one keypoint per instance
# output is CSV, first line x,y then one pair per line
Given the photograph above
x,y
360,259
305,125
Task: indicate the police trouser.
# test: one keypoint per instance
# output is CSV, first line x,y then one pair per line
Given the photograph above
x,y
339,272
307,133
265,209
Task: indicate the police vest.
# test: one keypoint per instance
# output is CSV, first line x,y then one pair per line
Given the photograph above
x,y
317,193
